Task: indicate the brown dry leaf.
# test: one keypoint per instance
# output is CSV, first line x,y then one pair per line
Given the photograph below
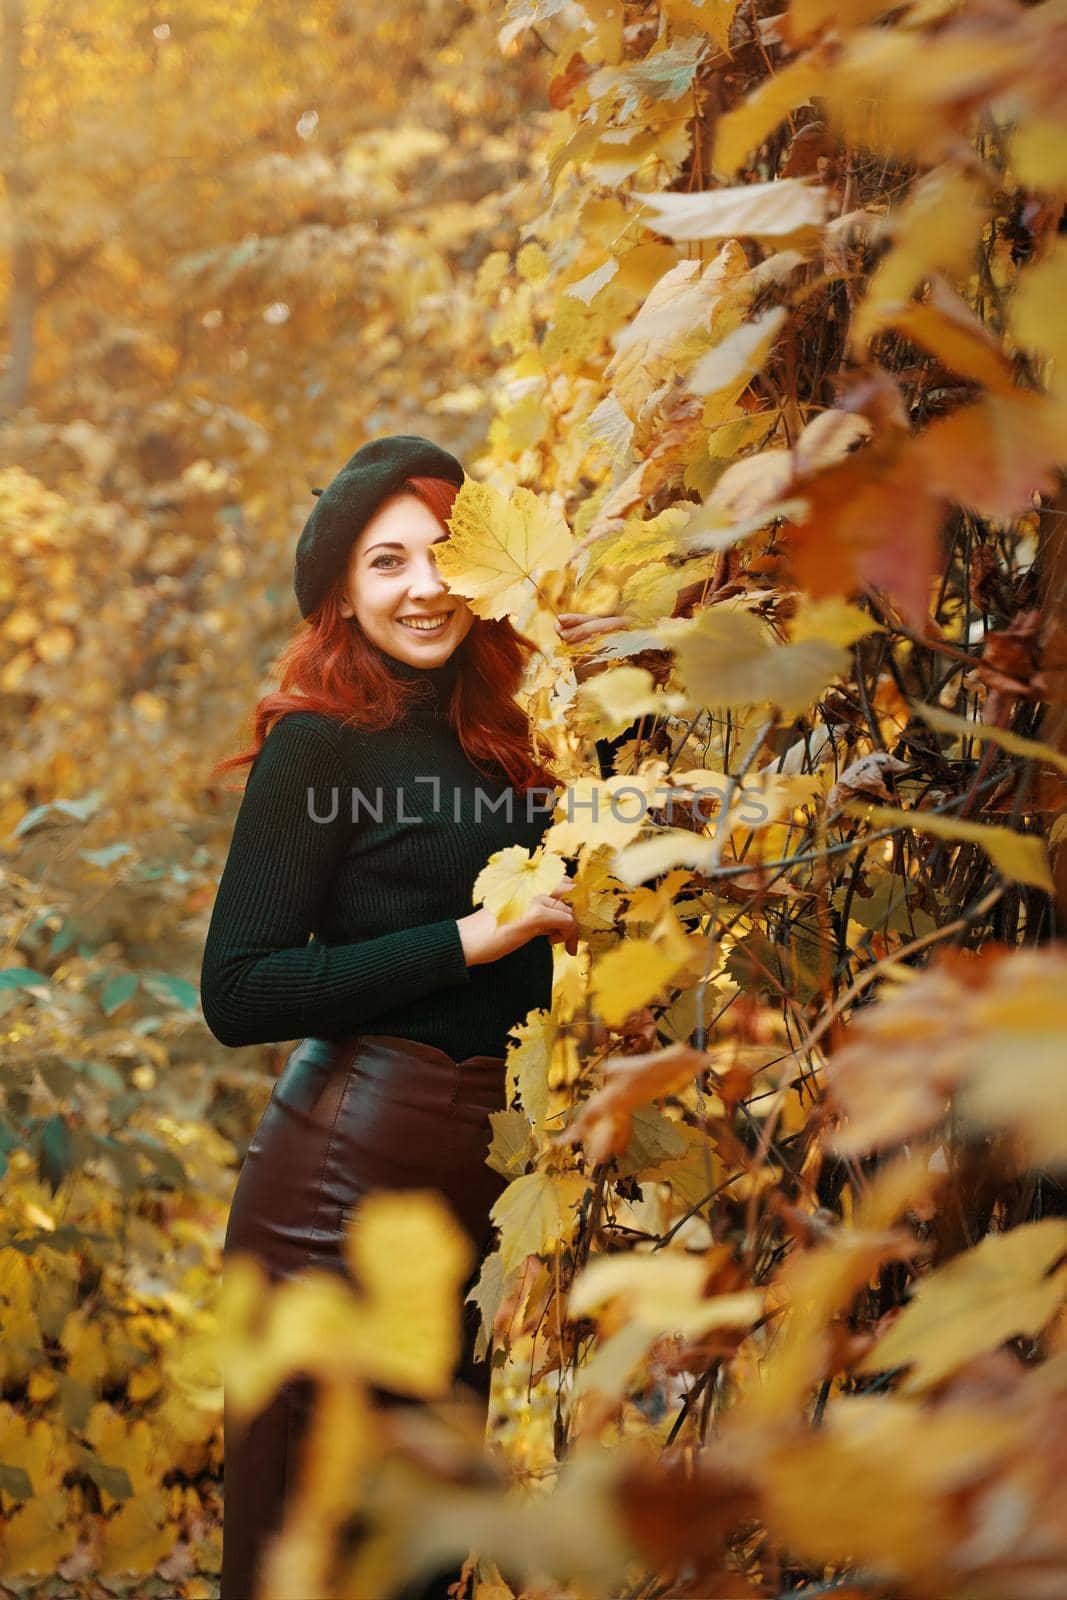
x,y
872,519
869,514
1017,1077
604,1122
945,325
866,776
680,438
675,1509
995,455
991,1028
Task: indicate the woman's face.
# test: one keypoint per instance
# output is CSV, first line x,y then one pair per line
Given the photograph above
x,y
392,584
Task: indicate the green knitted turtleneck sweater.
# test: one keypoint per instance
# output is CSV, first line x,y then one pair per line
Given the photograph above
x,y
369,843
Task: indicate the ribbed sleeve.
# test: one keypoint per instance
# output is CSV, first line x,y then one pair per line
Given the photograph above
x,y
260,979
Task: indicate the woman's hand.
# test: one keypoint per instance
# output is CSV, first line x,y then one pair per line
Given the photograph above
x,y
575,627
484,941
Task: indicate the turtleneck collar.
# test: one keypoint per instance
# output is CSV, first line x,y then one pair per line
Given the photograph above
x,y
440,679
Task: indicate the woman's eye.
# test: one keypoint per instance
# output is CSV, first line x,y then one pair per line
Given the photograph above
x,y
379,559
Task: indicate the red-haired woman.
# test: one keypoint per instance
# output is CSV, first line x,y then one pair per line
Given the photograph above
x,y
395,760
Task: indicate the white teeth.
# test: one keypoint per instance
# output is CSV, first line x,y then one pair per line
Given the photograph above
x,y
423,626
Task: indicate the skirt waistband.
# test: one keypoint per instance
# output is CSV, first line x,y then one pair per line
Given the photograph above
x,y
390,1044
406,1068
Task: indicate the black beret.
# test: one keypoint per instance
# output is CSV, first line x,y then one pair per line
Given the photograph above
x,y
351,498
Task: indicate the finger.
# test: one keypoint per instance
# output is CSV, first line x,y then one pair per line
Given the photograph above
x,y
589,627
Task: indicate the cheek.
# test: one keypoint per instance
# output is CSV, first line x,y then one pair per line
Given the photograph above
x,y
375,591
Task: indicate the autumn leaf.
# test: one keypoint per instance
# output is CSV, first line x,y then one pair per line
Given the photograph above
x,y
730,658
527,1064
1002,1288
740,131
535,1212
779,210
1030,749
994,456
988,1032
890,1478
663,1291
728,369
1017,855
501,548
603,1124
508,884
631,975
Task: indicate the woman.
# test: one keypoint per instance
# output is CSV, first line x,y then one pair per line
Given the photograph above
x,y
361,826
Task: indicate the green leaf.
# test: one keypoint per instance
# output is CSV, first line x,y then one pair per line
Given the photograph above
x,y
171,990
55,1157
35,815
117,992
22,978
101,1073
81,809
65,935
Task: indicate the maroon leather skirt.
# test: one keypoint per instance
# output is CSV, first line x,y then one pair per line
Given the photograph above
x,y
347,1115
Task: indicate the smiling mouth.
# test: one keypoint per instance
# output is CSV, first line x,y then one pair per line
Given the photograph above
x,y
435,624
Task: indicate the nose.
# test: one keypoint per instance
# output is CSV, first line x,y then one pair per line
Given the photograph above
x,y
426,582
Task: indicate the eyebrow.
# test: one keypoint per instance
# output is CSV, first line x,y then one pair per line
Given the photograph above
x,y
395,544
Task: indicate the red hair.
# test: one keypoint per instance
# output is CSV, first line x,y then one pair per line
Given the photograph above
x,y
330,666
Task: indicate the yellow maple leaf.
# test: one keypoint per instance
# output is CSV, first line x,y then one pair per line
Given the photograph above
x,y
500,549
631,975
512,877
535,1212
528,1063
